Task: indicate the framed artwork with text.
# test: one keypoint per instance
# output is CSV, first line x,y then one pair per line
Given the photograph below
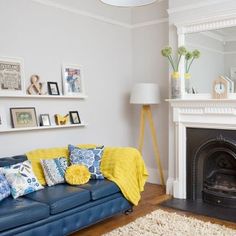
x,y
11,76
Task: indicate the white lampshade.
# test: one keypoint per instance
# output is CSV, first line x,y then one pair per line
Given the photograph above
x,y
128,3
145,94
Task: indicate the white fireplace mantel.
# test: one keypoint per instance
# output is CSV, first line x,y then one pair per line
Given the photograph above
x,y
199,113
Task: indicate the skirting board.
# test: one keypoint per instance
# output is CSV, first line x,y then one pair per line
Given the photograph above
x,y
154,176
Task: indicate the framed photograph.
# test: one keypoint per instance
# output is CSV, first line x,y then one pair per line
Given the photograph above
x,y
53,88
72,77
45,120
74,117
23,117
11,76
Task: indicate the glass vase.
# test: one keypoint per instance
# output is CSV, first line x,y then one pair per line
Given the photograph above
x,y
187,77
175,85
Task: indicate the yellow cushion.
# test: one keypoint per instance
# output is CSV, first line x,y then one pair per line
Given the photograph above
x,y
48,153
77,174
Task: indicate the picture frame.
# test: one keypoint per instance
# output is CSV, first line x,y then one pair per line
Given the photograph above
x,y
12,76
44,120
23,117
74,117
53,88
72,80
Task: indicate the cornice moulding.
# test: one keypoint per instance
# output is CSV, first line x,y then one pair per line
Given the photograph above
x,y
199,46
149,23
98,17
82,13
194,6
206,24
213,36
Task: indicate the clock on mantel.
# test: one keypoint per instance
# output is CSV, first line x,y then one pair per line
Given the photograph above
x,y
220,88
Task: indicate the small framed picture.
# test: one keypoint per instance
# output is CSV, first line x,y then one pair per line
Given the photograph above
x,y
72,80
23,117
74,117
53,88
11,76
45,120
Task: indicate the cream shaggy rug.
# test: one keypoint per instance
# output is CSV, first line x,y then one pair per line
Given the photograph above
x,y
164,223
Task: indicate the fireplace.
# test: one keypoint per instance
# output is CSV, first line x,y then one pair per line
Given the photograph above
x,y
211,166
202,157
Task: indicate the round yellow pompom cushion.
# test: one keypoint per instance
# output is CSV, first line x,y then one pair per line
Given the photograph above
x,y
77,174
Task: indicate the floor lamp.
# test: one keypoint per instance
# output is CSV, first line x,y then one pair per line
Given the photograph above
x,y
147,94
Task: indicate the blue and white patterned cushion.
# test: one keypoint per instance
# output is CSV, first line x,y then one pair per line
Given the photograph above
x,y
54,170
21,179
4,187
90,157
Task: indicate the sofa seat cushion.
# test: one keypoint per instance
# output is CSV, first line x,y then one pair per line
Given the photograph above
x,y
21,211
100,188
61,197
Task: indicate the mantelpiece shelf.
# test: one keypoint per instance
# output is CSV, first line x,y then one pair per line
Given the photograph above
x,y
44,96
201,100
8,130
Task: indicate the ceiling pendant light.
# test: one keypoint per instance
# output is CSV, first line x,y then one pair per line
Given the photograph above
x,y
128,3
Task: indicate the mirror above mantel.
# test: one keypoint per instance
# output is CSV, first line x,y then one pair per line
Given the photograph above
x,y
216,40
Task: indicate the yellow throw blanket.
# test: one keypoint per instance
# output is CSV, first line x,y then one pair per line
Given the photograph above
x,y
126,168
122,165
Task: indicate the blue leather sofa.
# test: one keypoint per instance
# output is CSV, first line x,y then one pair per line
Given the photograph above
x,y
61,209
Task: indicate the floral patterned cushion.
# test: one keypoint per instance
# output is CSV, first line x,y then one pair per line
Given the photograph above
x,y
21,179
4,187
90,157
54,170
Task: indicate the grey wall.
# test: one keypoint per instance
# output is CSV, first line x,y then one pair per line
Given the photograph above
x,y
115,52
150,66
45,37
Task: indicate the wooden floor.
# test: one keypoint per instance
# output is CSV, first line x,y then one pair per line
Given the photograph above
x,y
151,197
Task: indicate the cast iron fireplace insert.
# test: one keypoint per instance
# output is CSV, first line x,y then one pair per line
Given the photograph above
x,y
211,166
211,174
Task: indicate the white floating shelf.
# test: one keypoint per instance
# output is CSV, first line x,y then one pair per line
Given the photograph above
x,y
44,96
8,130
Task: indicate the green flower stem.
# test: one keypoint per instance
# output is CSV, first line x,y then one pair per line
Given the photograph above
x,y
171,62
190,65
178,63
186,66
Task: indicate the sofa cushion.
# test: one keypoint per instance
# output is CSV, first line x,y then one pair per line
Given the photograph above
x,y
90,157
100,188
8,161
77,175
54,170
21,211
4,188
47,153
21,178
61,197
